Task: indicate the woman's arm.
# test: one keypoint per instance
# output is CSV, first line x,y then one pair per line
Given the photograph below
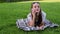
x,y
30,20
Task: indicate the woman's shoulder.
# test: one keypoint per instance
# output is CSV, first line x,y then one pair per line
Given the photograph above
x,y
43,13
29,15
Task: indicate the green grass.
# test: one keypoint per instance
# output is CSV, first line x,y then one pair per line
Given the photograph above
x,y
10,12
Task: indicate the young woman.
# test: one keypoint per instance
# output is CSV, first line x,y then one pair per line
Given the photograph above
x,y
36,20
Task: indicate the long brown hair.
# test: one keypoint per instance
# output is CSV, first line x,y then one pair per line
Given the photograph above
x,y
39,16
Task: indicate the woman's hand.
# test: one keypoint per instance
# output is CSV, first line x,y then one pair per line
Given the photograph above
x,y
33,12
42,26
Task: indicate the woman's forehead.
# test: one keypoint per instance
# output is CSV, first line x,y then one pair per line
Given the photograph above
x,y
36,4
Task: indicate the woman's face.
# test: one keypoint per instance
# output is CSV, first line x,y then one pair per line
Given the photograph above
x,y
36,7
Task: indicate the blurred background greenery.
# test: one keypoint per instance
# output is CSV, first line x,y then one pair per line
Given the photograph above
x,y
24,0
16,0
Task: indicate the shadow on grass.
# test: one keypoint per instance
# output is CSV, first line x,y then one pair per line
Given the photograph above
x,y
12,1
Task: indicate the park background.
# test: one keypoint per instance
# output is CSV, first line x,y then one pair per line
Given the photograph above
x,y
11,10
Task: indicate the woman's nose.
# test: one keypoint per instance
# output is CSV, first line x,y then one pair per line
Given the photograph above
x,y
36,9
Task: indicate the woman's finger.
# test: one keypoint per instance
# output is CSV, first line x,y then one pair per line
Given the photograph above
x,y
33,11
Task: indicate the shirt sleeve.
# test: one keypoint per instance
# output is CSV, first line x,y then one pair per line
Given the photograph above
x,y
29,17
43,16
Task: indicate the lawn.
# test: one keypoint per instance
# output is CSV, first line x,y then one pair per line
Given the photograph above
x,y
10,12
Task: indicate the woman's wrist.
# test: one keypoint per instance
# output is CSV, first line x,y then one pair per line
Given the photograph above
x,y
33,18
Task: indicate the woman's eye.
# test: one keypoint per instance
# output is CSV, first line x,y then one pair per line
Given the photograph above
x,y
38,6
35,6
